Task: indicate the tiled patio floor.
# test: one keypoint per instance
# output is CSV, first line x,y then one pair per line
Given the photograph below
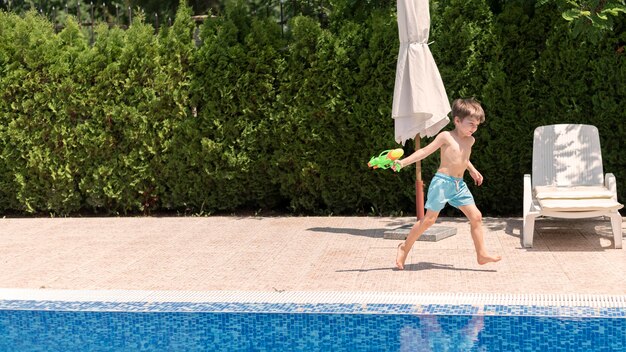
x,y
303,254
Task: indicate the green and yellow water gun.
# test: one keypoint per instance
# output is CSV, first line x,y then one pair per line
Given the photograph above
x,y
386,159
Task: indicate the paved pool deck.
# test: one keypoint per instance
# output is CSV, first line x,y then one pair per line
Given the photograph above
x,y
345,254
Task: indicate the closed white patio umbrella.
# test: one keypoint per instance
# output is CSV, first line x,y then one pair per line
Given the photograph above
x,y
420,103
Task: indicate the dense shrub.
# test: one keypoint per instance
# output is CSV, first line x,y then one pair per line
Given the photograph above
x,y
245,113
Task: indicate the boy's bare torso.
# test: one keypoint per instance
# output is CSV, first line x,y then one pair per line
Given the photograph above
x,y
455,153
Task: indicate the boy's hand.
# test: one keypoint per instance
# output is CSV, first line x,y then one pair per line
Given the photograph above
x,y
396,166
478,178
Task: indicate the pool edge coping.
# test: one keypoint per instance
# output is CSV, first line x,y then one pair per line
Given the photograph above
x,y
551,305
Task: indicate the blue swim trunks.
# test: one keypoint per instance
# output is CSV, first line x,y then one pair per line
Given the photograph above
x,y
447,189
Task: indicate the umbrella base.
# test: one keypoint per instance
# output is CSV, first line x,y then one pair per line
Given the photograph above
x,y
433,234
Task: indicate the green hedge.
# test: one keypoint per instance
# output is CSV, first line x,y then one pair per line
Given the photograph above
x,y
238,115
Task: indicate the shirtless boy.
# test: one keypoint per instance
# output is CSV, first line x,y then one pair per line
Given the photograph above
x,y
447,186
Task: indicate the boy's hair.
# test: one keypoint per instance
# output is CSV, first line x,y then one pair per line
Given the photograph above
x,y
463,108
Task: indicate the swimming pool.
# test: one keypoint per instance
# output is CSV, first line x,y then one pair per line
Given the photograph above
x,y
235,321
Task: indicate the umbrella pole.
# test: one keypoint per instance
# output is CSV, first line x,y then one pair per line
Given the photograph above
x,y
419,185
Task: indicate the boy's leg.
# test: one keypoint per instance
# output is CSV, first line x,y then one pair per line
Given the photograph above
x,y
416,231
476,228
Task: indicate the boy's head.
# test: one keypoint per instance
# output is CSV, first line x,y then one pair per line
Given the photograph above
x,y
464,108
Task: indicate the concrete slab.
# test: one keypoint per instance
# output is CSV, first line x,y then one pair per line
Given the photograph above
x,y
433,234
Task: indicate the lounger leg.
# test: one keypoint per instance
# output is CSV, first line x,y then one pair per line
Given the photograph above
x,y
529,230
616,225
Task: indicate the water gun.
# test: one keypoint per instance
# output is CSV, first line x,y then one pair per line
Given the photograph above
x,y
386,159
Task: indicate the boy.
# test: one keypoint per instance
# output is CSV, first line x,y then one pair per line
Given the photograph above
x,y
447,186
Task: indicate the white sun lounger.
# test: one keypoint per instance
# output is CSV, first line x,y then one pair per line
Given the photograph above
x,y
568,180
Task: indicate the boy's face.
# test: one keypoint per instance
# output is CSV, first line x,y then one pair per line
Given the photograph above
x,y
467,126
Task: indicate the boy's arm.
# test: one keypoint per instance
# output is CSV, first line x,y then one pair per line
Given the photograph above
x,y
424,152
478,178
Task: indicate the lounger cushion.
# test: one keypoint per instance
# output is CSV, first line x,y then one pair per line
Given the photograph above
x,y
576,198
592,204
572,192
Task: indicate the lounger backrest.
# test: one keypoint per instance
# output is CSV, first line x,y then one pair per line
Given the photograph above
x,y
567,155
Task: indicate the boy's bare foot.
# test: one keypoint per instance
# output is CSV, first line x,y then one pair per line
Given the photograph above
x,y
484,259
400,257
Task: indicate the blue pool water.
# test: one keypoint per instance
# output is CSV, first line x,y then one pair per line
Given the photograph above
x,y
158,328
